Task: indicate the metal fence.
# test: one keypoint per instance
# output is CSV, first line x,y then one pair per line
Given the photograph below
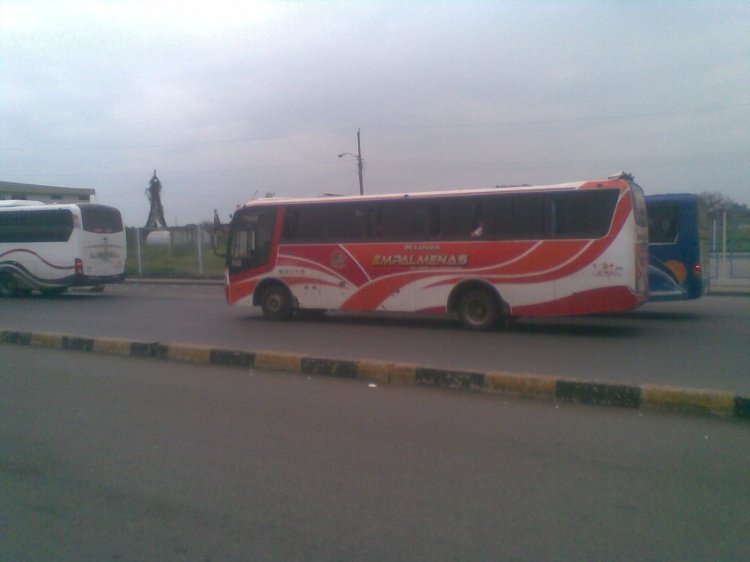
x,y
730,248
730,266
183,251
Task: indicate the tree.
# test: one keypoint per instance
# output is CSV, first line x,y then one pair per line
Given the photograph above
x,y
718,203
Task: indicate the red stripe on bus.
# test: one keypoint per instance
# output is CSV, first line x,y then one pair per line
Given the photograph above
x,y
605,299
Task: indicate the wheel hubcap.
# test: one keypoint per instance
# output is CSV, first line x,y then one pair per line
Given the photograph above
x,y
478,311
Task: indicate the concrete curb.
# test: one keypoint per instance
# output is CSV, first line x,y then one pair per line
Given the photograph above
x,y
647,397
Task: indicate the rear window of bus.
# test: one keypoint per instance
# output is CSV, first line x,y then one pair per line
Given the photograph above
x,y
103,220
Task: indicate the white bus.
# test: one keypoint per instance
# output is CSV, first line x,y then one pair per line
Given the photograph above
x,y
49,248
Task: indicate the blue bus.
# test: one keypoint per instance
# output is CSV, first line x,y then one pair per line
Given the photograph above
x,y
678,247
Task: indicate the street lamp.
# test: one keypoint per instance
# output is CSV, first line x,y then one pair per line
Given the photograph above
x,y
358,156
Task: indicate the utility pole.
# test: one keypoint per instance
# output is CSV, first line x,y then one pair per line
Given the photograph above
x,y
358,156
359,164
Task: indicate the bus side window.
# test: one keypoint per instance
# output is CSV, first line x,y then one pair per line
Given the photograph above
x,y
433,212
477,220
457,219
663,224
583,214
291,222
424,220
524,216
363,224
376,221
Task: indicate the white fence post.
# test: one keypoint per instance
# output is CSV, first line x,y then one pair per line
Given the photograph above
x,y
199,242
138,251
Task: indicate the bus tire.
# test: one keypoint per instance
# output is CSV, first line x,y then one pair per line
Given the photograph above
x,y
276,303
479,310
8,286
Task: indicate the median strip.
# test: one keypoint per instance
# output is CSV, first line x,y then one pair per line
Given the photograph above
x,y
647,396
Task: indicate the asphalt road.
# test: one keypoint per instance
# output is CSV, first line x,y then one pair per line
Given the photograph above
x,y
699,344
115,458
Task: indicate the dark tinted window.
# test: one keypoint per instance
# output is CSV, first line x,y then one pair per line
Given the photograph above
x,y
517,216
358,222
663,223
584,214
48,225
406,220
96,218
326,223
460,217
568,214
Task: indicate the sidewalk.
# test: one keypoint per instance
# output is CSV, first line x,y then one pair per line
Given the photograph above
x,y
730,286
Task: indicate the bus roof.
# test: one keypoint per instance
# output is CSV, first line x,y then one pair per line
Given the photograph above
x,y
660,197
39,205
4,204
619,182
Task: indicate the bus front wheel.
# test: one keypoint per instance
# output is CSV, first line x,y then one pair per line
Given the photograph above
x,y
479,310
276,303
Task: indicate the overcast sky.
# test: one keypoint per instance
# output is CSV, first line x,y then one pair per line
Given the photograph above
x,y
226,99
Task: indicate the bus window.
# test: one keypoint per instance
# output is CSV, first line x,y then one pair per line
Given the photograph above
x,y
392,221
291,222
47,225
522,216
326,223
104,220
663,224
405,220
459,218
252,233
584,214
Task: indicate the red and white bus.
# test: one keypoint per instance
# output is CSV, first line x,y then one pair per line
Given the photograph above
x,y
486,254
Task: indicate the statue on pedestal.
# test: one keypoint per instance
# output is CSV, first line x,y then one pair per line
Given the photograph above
x,y
156,214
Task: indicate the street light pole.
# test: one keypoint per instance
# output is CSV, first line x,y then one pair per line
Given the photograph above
x,y
359,164
358,156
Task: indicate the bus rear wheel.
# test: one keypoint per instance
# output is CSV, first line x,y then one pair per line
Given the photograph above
x,y
479,310
8,286
276,303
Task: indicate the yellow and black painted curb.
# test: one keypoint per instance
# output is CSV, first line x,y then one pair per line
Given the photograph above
x,y
647,396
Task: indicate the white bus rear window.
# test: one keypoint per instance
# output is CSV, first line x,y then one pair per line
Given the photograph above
x,y
104,220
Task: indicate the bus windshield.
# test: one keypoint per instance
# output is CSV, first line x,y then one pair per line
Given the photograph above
x,y
250,243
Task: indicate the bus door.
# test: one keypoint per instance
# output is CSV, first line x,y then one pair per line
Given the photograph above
x,y
251,238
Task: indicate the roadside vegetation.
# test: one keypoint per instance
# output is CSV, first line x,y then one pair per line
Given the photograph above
x,y
175,258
